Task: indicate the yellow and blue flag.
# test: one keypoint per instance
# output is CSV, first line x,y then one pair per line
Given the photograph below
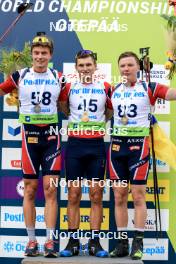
x,y
165,149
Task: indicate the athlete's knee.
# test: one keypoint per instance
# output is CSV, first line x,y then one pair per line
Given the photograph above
x,y
30,191
50,192
74,196
138,197
120,198
96,196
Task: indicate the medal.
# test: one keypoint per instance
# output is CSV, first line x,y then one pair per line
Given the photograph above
x,y
37,108
85,117
124,120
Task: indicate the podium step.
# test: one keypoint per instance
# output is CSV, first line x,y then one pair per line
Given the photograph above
x,y
80,260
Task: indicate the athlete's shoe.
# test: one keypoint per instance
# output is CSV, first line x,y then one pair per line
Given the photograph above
x,y
95,249
137,248
32,249
121,249
49,251
72,249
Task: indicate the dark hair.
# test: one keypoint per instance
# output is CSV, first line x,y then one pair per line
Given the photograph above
x,y
42,40
129,54
85,54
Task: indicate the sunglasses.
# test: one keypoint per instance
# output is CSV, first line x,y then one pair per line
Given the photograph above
x,y
41,39
86,52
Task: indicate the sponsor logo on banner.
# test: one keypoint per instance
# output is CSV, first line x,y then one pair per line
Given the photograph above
x,y
14,131
20,188
155,249
85,191
11,129
102,74
8,108
13,217
150,224
13,188
162,107
84,219
161,166
16,163
163,189
11,158
14,246
159,74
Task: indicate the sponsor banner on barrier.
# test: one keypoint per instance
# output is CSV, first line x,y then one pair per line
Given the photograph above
x,y
150,224
163,189
14,246
11,129
12,188
85,191
161,166
11,159
162,107
13,217
84,219
102,74
155,249
159,74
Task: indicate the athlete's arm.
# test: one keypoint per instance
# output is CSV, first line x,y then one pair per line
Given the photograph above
x,y
63,103
157,90
109,110
7,87
108,114
63,107
171,94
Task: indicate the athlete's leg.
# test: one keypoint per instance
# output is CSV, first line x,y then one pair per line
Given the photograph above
x,y
139,199
73,211
30,166
51,206
96,213
95,171
139,167
140,216
74,173
119,174
30,188
50,163
121,210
